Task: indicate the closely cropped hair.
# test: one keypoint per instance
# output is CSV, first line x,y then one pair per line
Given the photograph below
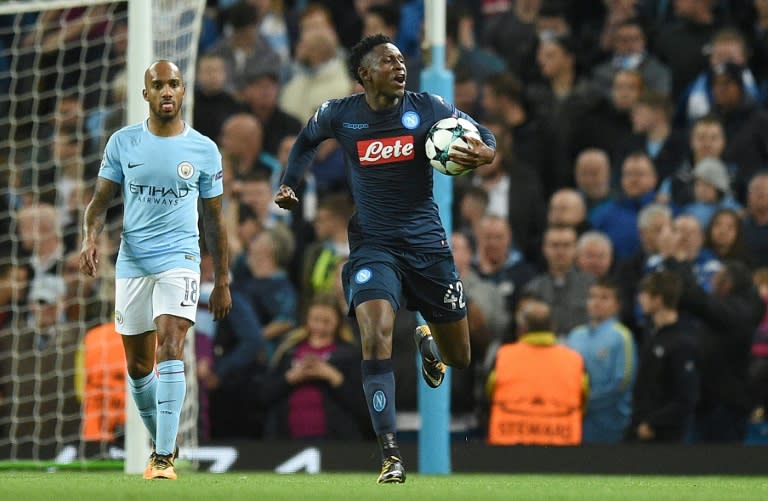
x,y
651,210
609,283
732,35
593,236
535,315
362,49
708,119
656,101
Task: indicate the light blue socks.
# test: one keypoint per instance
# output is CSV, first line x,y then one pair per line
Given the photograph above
x,y
171,389
143,391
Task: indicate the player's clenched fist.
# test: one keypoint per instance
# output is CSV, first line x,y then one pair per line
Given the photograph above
x,y
286,198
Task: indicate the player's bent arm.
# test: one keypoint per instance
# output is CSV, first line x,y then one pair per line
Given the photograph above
x,y
304,148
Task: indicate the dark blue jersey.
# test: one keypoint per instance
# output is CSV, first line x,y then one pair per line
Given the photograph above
x,y
390,176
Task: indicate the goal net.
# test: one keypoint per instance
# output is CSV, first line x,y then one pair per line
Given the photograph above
x,y
65,86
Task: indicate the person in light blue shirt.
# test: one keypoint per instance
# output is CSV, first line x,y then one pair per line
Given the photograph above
x,y
610,358
161,167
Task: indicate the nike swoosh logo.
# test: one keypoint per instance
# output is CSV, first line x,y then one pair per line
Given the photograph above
x,y
161,402
131,166
186,304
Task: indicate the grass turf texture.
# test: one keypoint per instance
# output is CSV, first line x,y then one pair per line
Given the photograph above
x,y
113,486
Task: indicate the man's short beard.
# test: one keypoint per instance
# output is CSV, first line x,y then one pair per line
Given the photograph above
x,y
166,118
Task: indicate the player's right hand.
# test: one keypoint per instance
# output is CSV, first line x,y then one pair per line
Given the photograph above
x,y
286,198
89,259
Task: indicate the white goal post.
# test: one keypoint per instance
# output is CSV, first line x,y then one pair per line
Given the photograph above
x,y
44,62
164,40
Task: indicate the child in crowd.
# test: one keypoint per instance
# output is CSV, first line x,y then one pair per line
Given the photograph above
x,y
711,191
313,386
610,358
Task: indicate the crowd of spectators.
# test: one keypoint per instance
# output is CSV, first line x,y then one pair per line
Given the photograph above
x,y
629,194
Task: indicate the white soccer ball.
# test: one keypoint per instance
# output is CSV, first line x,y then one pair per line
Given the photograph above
x,y
444,135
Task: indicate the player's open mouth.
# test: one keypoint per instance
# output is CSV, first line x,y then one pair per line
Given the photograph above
x,y
400,79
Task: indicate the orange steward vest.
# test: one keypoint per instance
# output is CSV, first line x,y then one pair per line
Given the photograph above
x,y
537,395
104,395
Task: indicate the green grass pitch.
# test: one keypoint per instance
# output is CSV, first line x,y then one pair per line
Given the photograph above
x,y
114,486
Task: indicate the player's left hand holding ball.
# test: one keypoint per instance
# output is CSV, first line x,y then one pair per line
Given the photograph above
x,y
476,153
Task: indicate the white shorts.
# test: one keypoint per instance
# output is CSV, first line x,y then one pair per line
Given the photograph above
x,y
139,301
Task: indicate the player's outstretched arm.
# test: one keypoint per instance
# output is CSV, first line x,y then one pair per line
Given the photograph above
x,y
93,224
217,244
286,198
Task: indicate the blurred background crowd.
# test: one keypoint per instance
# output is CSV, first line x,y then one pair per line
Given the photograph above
x,y
629,193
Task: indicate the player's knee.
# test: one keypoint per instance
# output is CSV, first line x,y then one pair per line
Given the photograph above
x,y
459,356
458,360
170,348
375,335
139,368
376,327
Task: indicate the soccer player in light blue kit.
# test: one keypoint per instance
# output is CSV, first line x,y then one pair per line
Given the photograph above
x,y
161,166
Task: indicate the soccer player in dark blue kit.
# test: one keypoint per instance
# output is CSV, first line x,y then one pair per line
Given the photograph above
x,y
397,242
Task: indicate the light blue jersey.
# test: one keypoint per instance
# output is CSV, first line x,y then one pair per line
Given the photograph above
x,y
161,179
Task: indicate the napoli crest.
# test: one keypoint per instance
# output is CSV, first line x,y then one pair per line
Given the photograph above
x,y
379,401
363,275
185,170
410,119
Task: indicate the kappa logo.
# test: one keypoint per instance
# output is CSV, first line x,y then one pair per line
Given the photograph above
x,y
348,125
386,150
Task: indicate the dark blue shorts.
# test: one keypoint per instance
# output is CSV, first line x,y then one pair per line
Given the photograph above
x,y
428,282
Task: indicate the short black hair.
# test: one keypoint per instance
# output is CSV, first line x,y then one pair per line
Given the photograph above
x,y
507,84
664,283
611,284
242,15
361,49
